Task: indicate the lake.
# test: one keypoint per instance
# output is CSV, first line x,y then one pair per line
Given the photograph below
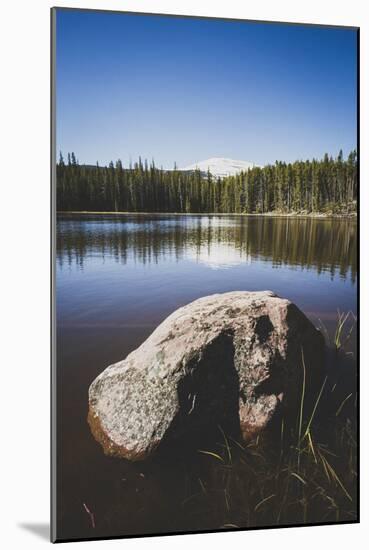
x,y
117,278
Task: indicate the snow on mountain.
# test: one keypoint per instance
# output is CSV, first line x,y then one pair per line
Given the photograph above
x,y
221,167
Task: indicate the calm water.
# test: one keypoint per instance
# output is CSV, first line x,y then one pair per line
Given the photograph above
x,y
118,277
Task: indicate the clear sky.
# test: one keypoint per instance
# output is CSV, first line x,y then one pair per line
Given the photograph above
x,y
183,90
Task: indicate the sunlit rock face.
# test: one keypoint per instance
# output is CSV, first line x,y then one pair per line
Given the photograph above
x,y
232,359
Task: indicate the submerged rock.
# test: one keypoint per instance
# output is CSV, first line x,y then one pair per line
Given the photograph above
x,y
233,358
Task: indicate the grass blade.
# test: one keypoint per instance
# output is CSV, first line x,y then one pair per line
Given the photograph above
x,y
215,455
298,477
315,406
302,393
342,404
262,502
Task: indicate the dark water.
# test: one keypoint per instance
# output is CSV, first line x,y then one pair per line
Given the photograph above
x,y
118,277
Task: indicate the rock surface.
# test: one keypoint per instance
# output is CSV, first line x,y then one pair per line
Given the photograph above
x,y
233,357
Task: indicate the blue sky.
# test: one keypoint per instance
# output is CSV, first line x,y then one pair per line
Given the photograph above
x,y
184,90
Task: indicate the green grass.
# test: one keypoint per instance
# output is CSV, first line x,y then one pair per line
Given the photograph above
x,y
305,475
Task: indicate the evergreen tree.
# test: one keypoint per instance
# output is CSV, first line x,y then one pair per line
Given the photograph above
x,y
328,185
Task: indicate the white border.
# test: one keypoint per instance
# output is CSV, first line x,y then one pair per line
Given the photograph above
x,y
24,105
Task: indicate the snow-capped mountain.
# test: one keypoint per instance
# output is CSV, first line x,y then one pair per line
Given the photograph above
x,y
221,167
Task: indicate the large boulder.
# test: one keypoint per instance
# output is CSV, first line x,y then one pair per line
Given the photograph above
x,y
225,358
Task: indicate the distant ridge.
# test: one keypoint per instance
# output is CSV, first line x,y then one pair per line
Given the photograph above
x,y
221,167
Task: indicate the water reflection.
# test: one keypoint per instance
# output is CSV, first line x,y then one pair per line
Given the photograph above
x,y
216,241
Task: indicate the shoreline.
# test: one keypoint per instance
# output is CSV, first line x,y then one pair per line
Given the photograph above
x,y
312,215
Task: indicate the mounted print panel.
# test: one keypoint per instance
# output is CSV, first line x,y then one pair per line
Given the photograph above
x,y
205,187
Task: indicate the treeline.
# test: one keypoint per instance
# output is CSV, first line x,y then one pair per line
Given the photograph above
x,y
327,185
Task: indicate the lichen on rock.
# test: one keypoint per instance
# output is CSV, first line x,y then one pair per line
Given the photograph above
x,y
233,357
